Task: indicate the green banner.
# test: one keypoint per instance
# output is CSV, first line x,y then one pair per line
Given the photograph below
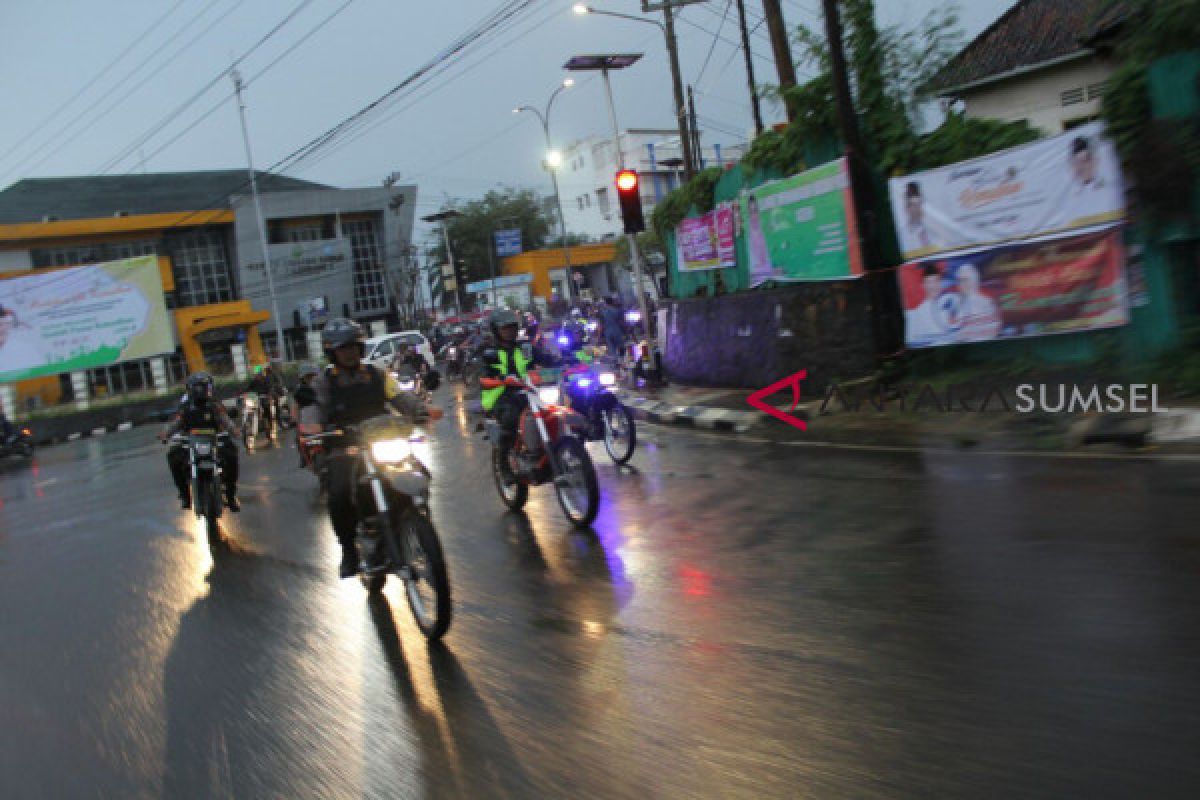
x,y
81,318
802,228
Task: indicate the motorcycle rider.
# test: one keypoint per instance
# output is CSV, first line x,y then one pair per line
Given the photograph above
x,y
350,392
202,410
503,360
264,385
304,400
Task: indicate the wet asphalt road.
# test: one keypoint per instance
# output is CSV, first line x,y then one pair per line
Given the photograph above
x,y
744,620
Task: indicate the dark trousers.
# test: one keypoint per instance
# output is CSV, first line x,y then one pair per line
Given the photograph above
x,y
507,411
177,460
343,475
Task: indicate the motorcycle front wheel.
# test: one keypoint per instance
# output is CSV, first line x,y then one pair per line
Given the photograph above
x,y
514,493
620,433
576,485
428,584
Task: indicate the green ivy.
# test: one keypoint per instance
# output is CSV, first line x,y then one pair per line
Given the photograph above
x,y
960,138
699,193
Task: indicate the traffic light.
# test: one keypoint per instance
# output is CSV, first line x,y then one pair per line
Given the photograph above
x,y
631,201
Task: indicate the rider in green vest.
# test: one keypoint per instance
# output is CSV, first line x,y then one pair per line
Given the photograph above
x,y
505,359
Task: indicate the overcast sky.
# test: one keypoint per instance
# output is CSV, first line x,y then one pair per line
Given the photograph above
x,y
456,137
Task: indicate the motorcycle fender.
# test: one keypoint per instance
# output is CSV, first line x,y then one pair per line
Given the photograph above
x,y
576,421
409,482
605,401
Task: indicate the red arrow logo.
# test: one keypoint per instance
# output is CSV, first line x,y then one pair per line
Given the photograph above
x,y
758,399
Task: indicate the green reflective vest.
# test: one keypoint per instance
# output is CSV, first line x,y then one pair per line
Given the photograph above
x,y
490,396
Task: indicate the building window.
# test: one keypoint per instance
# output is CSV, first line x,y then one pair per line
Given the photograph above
x,y
201,268
92,253
1072,96
1096,90
603,201
370,286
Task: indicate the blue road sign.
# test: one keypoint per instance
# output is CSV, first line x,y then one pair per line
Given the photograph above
x,y
508,242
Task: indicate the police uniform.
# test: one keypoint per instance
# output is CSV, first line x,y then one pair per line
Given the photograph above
x,y
210,416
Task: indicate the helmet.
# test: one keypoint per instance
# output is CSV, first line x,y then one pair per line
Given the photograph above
x,y
340,332
199,387
502,319
309,371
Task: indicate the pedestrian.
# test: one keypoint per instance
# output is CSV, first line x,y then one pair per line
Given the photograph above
x,y
613,320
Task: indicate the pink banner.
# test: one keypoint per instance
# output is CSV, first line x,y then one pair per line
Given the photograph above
x,y
707,242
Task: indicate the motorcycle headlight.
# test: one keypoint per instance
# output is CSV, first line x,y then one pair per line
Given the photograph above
x,y
608,379
390,451
549,395
591,326
583,383
407,386
564,340
633,316
203,449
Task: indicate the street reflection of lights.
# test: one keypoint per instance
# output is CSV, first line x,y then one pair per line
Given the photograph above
x,y
696,582
594,629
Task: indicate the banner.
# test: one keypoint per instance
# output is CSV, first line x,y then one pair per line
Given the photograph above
x,y
1059,285
706,242
802,228
1050,186
81,318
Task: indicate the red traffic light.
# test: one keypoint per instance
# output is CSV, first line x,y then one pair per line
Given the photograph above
x,y
627,180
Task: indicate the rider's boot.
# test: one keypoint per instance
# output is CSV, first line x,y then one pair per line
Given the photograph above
x,y
231,499
185,499
349,567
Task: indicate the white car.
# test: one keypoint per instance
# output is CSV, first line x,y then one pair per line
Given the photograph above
x,y
382,350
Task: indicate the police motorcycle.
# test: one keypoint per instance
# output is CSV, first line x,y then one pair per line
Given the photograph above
x,y
202,445
548,448
592,391
254,422
396,535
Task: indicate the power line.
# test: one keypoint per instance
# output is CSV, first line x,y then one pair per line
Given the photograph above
x,y
713,46
96,78
170,116
249,81
428,84
49,141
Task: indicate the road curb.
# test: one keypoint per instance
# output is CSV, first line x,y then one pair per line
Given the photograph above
x,y
714,419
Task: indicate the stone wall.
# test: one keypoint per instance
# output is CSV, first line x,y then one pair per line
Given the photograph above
x,y
752,339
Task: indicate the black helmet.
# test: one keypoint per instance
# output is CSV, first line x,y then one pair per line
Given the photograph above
x,y
199,387
502,319
340,332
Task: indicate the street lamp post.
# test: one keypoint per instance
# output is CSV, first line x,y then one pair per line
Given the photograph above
x,y
258,214
605,63
553,162
690,158
444,217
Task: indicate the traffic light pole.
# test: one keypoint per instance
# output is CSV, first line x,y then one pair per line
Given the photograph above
x,y
634,255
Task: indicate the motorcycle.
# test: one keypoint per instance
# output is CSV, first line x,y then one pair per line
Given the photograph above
x,y
20,443
395,533
410,382
254,421
592,392
202,446
283,410
312,450
548,448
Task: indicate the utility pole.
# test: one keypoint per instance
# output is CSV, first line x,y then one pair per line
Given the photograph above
x,y
758,123
689,157
695,130
782,49
262,226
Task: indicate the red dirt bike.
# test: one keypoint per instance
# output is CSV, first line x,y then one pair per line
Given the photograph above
x,y
548,448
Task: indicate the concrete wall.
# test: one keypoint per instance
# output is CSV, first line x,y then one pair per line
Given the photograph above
x,y
1038,96
753,339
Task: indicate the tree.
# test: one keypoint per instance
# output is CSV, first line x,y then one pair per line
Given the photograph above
x,y
471,232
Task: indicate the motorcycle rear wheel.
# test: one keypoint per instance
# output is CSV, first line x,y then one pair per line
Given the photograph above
x,y
515,494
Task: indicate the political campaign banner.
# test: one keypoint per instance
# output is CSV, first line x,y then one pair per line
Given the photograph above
x,y
707,242
802,228
1066,182
83,317
1063,284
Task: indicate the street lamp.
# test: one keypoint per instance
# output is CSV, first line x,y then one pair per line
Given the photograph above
x,y
604,63
553,162
689,159
444,217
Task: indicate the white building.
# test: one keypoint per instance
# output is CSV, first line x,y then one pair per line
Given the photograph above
x,y
1045,62
586,177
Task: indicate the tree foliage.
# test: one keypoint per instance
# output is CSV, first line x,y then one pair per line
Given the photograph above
x,y
471,232
1162,157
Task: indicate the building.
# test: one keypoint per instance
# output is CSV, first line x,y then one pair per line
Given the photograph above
x,y
543,271
1045,62
590,166
333,250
